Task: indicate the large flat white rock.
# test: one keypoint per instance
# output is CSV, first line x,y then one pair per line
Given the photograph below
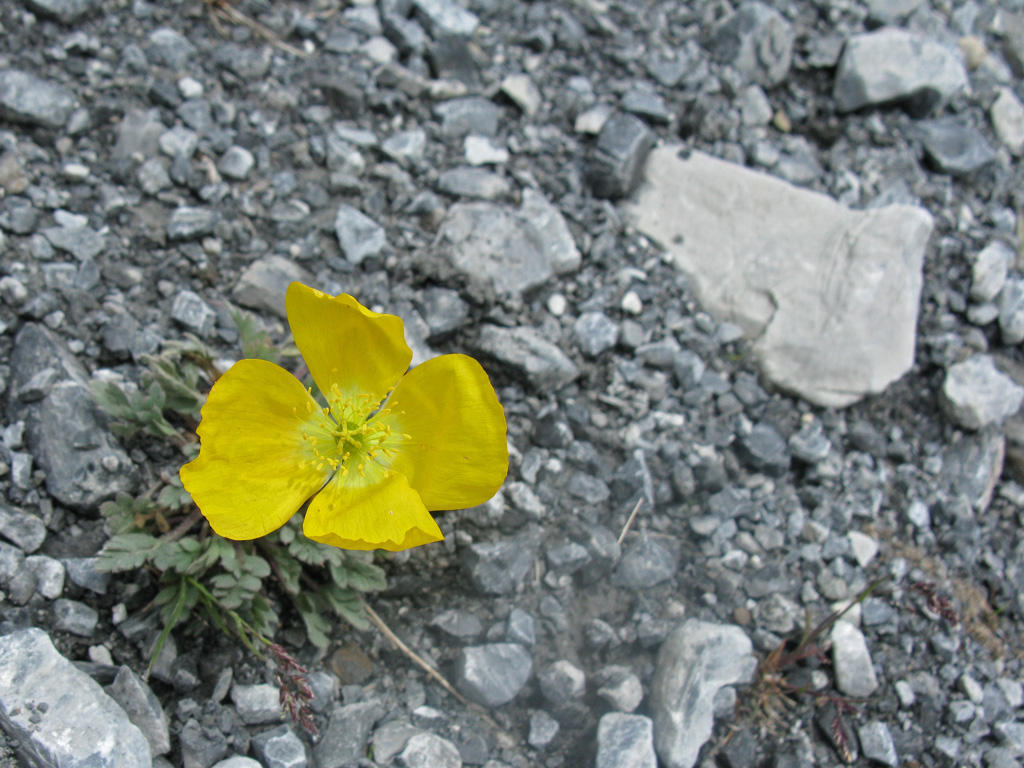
x,y
827,294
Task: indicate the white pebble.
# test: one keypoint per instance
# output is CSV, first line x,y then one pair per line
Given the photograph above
x,y
631,303
190,88
557,304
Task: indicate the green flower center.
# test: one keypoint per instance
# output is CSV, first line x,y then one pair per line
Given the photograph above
x,y
348,433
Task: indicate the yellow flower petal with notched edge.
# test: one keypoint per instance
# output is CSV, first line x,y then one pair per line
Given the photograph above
x,y
253,471
373,510
455,453
345,344
437,442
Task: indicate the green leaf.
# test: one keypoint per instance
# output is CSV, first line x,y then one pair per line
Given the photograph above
x,y
127,551
364,576
174,496
289,571
317,626
314,553
256,566
347,605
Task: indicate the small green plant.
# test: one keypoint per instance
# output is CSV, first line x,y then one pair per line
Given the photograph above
x,y
238,586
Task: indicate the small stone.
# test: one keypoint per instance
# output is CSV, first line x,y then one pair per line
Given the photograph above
x,y
757,41
1011,312
540,362
955,147
169,49
473,183
976,394
647,562
543,729
523,92
1007,116
257,704
855,675
626,741
595,333
360,236
616,164
25,98
343,741
620,688
443,17
988,274
764,450
498,568
279,748
143,709
190,310
236,163
864,547
191,223
631,303
406,146
561,682
428,750
24,529
457,624
484,150
472,114
74,617
492,674
179,141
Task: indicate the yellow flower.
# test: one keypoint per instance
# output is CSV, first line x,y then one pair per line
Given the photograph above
x,y
390,446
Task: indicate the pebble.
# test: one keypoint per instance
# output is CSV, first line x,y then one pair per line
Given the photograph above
x,y
492,674
26,98
855,674
625,741
359,236
975,393
615,167
1007,116
757,41
194,313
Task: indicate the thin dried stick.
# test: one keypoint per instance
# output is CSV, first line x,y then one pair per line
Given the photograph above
x,y
378,622
629,522
221,8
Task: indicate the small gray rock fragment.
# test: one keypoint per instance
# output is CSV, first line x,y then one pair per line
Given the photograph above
x,y
194,313
264,283
648,561
492,674
25,98
143,709
595,333
474,183
989,272
540,362
236,163
445,17
855,675
257,704
757,41
561,682
625,741
877,744
344,739
359,236
64,11
955,147
280,748
191,223
543,729
976,394
428,750
616,164
498,568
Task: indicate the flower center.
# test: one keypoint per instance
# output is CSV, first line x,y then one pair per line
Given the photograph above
x,y
349,433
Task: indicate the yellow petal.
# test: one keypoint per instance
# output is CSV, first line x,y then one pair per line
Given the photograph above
x,y
373,510
253,470
345,344
456,454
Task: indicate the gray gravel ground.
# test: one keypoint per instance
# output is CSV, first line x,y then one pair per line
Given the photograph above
x,y
755,267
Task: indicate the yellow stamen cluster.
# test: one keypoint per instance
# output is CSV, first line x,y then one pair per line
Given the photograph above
x,y
349,432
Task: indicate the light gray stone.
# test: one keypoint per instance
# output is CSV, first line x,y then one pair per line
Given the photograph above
x,y
360,236
855,675
1011,312
74,617
280,748
894,65
236,163
540,362
492,674
989,271
474,183
428,750
257,704
595,333
442,17
829,296
49,575
194,313
696,660
344,739
625,741
264,283
187,223
976,394
523,92
1007,116
80,725
561,682
757,41
143,709
507,249
25,98
619,687
24,529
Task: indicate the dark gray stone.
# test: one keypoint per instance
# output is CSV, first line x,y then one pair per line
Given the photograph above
x,y
616,165
810,444
592,490
74,617
191,223
249,62
143,709
757,41
79,725
528,355
83,464
201,747
265,282
459,625
648,561
693,664
764,450
492,674
498,568
25,98
644,101
955,147
625,741
443,310
1011,312
344,739
64,11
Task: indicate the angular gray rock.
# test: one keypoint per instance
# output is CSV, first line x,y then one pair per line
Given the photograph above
x,y
187,223
989,272
280,748
265,282
561,682
64,431
1007,116
189,309
757,41
509,250
143,709
498,568
877,744
595,333
474,183
649,560
828,295
540,362
616,165
64,11
344,739
855,675
625,741
428,750
57,715
955,147
976,393
257,704
25,98
358,235
893,65
24,529
446,17
492,674
694,663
